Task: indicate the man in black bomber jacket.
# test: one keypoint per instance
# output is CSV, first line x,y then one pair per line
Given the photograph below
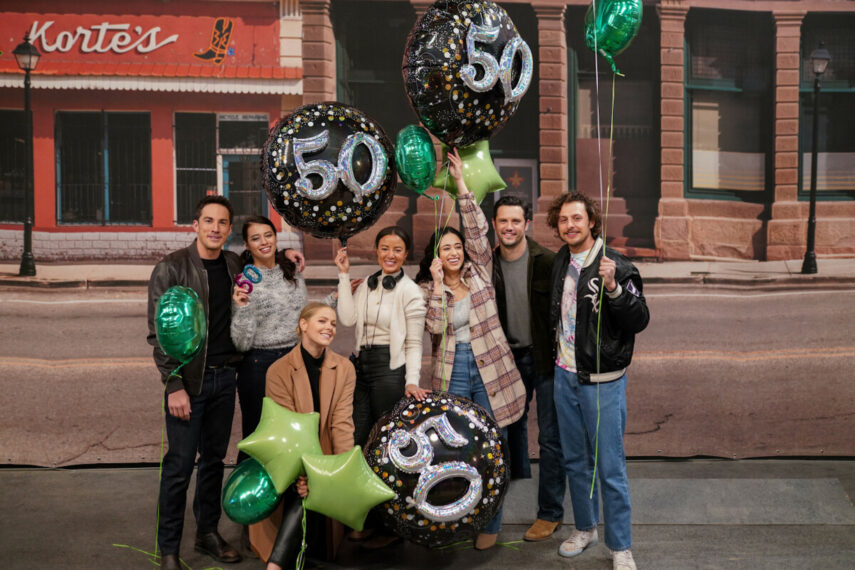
x,y
596,301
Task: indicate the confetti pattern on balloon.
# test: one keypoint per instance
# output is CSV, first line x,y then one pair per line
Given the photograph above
x,y
443,458
329,170
465,70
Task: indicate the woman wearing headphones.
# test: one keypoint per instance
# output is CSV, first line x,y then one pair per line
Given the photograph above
x,y
388,310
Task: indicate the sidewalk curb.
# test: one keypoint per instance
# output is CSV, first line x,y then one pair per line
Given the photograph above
x,y
712,281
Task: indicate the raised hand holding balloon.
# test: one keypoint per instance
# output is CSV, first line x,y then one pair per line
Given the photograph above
x,y
611,27
328,170
443,458
248,277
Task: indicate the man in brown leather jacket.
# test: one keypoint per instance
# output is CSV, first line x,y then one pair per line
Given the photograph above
x,y
200,400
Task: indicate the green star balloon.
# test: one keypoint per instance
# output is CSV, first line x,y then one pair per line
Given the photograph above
x,y
479,172
344,487
281,438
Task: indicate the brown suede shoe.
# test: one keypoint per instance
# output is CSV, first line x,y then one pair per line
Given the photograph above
x,y
485,541
541,530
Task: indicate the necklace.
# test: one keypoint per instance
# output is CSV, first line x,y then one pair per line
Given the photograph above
x,y
454,285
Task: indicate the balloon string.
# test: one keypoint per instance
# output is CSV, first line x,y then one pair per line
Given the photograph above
x,y
303,545
438,229
602,287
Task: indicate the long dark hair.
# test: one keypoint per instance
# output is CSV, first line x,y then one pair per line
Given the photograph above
x,y
424,275
289,268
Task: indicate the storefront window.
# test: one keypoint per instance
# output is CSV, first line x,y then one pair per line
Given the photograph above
x,y
12,165
835,177
103,168
195,161
729,103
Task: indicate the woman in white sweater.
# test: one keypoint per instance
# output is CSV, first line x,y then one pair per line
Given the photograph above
x,y
388,310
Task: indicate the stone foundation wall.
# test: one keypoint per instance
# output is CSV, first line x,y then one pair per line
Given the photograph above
x,y
107,245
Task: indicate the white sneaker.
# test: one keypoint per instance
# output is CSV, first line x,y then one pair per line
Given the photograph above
x,y
579,540
622,560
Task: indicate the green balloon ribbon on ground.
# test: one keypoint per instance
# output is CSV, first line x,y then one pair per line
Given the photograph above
x,y
249,495
614,26
415,158
180,324
479,172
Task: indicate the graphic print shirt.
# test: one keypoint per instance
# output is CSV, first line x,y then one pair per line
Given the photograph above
x,y
567,331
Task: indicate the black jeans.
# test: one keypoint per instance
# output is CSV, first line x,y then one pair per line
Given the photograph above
x,y
377,390
207,431
251,385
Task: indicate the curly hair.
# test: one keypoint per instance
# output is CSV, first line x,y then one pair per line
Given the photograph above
x,y
592,208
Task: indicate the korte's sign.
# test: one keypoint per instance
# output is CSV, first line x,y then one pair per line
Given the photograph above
x,y
198,33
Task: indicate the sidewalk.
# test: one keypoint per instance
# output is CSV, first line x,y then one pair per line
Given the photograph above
x,y
752,514
836,272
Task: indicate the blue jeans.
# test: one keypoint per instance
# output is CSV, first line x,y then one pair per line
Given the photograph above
x,y
576,406
252,382
466,381
207,431
550,485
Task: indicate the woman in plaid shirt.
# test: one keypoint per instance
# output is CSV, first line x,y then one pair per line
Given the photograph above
x,y
470,352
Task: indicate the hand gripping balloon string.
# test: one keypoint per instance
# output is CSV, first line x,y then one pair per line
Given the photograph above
x,y
602,283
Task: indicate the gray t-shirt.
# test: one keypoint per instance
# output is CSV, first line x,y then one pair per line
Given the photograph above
x,y
514,274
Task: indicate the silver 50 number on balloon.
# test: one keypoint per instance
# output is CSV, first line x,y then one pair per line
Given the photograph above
x,y
443,458
465,70
327,170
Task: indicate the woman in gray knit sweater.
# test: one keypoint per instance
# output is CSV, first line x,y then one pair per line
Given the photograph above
x,y
264,322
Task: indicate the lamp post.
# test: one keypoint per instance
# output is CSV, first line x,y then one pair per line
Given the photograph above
x,y
819,59
27,57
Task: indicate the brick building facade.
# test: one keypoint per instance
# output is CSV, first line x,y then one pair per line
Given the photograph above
x,y
711,128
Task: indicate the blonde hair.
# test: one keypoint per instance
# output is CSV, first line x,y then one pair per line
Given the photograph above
x,y
309,311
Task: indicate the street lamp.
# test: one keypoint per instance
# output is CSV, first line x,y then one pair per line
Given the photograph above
x,y
819,59
27,57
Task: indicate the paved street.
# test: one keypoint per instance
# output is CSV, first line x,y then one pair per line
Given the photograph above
x,y
717,373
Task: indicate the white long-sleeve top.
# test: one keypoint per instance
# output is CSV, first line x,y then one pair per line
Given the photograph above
x,y
399,322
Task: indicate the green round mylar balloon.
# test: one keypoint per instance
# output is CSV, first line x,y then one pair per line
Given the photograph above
x,y
615,25
180,323
249,495
415,158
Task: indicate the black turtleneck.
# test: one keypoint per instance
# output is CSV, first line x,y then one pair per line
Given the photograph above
x,y
313,368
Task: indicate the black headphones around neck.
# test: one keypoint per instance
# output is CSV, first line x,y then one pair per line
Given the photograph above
x,y
389,281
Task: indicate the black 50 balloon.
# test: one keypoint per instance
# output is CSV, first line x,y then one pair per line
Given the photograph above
x,y
465,70
329,170
443,457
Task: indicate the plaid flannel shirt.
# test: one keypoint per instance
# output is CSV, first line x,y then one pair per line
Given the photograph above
x,y
495,361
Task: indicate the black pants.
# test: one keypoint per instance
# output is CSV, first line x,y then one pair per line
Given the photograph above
x,y
207,431
286,548
377,390
251,386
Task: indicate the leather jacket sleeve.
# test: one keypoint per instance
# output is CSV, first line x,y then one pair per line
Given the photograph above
x,y
629,309
162,278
